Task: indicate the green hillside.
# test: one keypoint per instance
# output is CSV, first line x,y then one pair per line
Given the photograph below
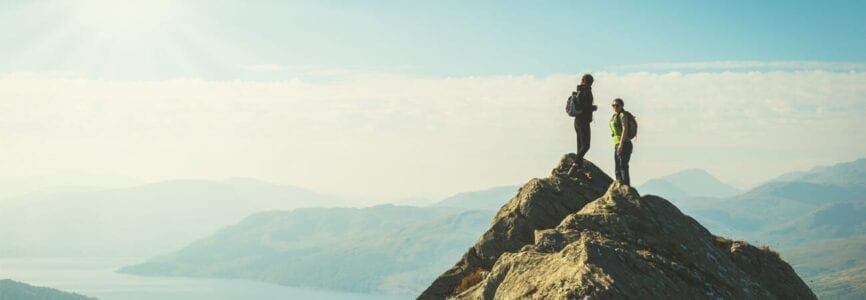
x,y
834,269
13,290
383,249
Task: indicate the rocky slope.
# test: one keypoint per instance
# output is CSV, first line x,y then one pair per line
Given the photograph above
x,y
564,238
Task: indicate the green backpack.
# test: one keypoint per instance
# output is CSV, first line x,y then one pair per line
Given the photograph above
x,y
632,125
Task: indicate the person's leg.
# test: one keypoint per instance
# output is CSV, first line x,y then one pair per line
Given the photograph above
x,y
617,163
576,164
624,160
583,139
577,139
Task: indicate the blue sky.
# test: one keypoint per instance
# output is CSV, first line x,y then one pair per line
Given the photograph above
x,y
407,99
214,38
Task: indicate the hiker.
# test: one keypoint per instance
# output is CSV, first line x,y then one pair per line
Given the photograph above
x,y
623,128
580,107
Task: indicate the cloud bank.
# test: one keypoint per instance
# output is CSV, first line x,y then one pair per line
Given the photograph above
x,y
393,135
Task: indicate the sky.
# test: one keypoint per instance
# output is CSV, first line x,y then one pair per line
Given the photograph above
x,y
386,100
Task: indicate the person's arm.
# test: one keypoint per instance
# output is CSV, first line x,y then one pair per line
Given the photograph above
x,y
624,137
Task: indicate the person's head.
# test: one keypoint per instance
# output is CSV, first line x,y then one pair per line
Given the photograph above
x,y
617,105
586,79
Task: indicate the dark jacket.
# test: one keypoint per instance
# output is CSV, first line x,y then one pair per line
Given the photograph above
x,y
584,104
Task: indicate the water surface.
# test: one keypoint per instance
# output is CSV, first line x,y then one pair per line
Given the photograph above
x,y
95,277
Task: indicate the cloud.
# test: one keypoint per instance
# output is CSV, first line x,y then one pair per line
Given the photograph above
x,y
322,72
263,68
387,134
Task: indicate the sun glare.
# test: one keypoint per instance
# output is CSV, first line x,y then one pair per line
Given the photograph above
x,y
114,19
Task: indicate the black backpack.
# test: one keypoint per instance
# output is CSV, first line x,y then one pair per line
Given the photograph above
x,y
571,105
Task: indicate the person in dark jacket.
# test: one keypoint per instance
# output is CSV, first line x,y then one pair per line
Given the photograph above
x,y
582,118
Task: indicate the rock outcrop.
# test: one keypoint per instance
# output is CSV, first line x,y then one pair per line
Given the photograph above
x,y
588,238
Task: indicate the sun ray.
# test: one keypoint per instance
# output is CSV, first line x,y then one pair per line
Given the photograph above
x,y
124,19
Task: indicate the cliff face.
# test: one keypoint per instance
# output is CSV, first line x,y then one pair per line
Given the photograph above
x,y
564,238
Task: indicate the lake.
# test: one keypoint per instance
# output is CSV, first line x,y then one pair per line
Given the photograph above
x,y
95,277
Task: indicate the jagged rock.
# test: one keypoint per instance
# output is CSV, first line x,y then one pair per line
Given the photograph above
x,y
541,203
617,246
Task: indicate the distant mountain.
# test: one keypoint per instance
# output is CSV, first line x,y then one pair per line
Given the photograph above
x,y
766,208
804,192
413,201
832,221
397,250
487,199
141,220
835,269
13,290
846,174
692,183
762,213
794,213
663,187
12,187
384,249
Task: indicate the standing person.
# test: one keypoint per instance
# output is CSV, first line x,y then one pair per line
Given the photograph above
x,y
622,134
581,108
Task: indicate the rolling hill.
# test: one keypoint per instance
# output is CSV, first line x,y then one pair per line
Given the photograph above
x,y
142,220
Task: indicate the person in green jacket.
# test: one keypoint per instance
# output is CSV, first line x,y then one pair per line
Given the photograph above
x,y
621,143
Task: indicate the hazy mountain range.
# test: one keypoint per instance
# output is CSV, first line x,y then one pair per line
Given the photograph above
x,y
787,215
816,219
62,182
486,199
140,220
688,183
382,249
392,248
835,268
849,174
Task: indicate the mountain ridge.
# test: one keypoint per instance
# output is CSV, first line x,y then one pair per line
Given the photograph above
x,y
845,174
386,248
688,183
486,199
98,222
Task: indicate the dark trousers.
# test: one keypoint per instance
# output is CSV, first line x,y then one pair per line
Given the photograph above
x,y
581,127
621,160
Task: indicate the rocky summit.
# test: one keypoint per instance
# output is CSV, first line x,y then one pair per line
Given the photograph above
x,y
591,238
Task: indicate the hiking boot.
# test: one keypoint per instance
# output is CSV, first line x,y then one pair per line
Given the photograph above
x,y
573,171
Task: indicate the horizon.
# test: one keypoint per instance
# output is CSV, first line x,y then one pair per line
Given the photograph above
x,y
74,180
